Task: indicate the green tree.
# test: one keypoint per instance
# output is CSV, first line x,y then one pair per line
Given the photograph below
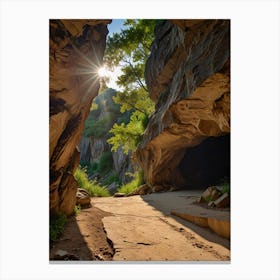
x,y
128,136
129,50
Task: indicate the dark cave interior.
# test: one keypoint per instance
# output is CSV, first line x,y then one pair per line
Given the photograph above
x,y
207,164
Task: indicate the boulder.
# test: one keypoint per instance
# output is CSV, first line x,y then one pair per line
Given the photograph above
x,y
141,190
211,194
82,197
119,195
223,201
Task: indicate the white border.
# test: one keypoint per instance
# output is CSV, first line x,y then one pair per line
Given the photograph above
x,y
255,138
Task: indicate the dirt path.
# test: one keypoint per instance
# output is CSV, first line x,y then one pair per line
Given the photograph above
x,y
140,229
84,237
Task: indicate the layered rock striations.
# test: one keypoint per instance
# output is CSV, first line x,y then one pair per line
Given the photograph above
x,y
76,51
188,76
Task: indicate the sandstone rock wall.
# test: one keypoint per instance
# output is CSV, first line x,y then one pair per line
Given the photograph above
x,y
123,165
188,76
92,148
76,51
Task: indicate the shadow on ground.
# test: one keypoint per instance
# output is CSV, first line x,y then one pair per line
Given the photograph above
x,y
73,242
165,202
84,237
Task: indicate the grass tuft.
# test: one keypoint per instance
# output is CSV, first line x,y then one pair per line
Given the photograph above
x,y
57,226
77,209
93,188
132,185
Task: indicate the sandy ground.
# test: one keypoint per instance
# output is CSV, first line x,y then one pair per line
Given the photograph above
x,y
140,228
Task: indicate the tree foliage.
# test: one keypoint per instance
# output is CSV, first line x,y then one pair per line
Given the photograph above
x,y
130,50
104,113
128,136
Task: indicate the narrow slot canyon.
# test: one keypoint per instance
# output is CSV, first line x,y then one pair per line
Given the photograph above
x,y
151,156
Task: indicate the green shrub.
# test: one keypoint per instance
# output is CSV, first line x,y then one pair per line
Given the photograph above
x,y
224,185
93,188
132,185
114,178
98,128
106,163
56,227
90,168
110,178
77,209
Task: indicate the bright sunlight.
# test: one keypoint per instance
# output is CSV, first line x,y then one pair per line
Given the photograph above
x,y
103,72
112,76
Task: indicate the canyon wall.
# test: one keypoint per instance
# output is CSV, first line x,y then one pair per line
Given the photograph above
x,y
94,141
76,52
188,76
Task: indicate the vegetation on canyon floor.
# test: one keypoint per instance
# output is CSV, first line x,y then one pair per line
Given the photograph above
x,y
56,226
132,185
93,188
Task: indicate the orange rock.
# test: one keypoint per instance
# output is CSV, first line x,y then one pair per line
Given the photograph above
x,y
71,94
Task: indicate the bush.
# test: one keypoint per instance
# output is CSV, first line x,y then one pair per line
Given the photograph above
x,y
97,128
114,178
106,163
93,188
132,185
224,185
110,178
88,167
56,227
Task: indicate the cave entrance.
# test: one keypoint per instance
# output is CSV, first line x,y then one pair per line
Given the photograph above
x,y
206,164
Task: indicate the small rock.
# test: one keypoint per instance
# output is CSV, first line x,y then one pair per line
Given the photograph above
x,y
82,191
64,255
119,194
222,201
215,194
82,197
211,194
61,253
211,204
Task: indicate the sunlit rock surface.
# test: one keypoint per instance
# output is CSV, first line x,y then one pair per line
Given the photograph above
x,y
76,51
188,76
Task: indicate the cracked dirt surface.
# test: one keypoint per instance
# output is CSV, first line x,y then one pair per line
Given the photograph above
x,y
139,228
141,232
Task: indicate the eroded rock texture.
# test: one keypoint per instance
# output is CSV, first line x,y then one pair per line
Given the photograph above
x,y
188,76
76,51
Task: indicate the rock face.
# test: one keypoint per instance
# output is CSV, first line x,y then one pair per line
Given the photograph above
x,y
123,165
188,76
76,52
92,148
